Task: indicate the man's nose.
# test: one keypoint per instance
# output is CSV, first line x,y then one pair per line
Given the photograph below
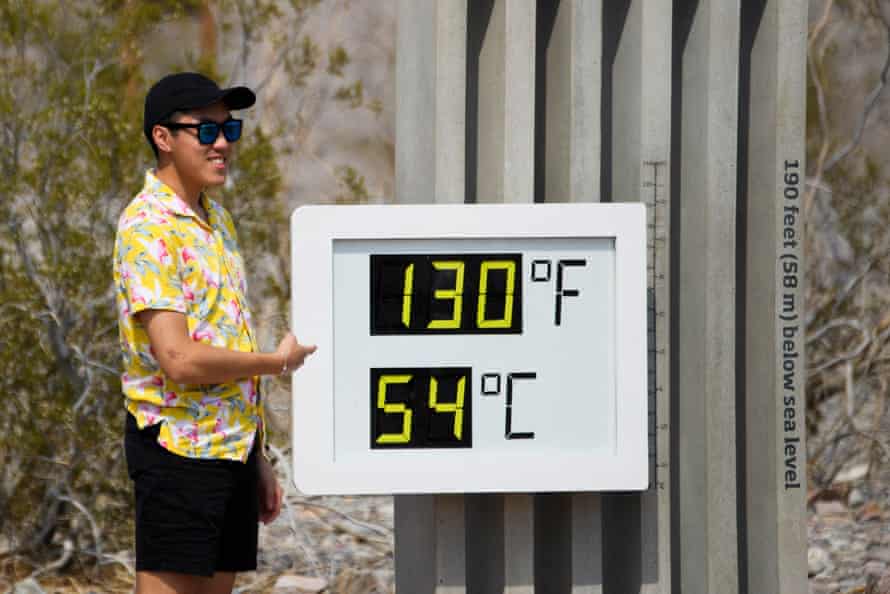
x,y
221,144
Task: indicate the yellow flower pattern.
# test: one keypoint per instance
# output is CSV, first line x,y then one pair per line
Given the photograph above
x,y
168,258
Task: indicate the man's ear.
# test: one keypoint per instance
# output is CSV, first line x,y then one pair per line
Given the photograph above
x,y
162,138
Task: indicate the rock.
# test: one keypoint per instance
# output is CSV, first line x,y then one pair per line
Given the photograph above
x,y
818,561
856,498
875,568
871,511
829,508
853,473
879,554
351,580
883,585
276,561
824,587
27,586
298,584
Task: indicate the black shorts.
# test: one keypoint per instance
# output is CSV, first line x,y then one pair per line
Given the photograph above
x,y
192,516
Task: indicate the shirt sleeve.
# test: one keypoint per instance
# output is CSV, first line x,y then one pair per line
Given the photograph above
x,y
148,268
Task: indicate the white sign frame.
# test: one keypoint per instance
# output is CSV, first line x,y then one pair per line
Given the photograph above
x,y
314,229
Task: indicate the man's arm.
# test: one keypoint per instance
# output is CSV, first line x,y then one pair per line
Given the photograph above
x,y
186,361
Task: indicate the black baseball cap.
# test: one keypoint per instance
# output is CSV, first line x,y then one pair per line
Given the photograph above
x,y
188,90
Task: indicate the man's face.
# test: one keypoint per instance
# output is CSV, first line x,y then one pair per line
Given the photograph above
x,y
199,164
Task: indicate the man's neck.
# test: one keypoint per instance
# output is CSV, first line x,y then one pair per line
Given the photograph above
x,y
189,195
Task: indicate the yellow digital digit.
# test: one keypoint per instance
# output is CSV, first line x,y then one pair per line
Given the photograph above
x,y
507,320
394,408
406,295
455,294
456,407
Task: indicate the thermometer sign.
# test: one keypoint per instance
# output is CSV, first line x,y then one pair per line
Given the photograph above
x,y
470,349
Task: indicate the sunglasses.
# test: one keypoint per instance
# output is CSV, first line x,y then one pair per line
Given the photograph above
x,y
208,132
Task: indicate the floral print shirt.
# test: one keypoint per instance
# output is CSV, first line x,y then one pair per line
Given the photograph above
x,y
168,258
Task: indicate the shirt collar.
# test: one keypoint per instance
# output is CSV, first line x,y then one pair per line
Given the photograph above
x,y
167,198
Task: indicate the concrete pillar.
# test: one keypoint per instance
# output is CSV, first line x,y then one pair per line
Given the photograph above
x,y
504,33
486,96
502,52
431,122
568,527
415,68
633,100
655,172
587,544
569,106
519,540
791,516
430,167
518,166
518,170
451,101
773,99
708,534
415,543
637,88
450,531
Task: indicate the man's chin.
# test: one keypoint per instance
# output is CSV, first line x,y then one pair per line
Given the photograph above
x,y
212,181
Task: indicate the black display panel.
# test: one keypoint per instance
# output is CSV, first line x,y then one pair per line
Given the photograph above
x,y
446,294
421,407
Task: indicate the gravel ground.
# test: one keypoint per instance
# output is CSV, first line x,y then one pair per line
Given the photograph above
x,y
849,518
849,542
344,544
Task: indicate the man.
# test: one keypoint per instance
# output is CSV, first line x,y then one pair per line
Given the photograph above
x,y
195,430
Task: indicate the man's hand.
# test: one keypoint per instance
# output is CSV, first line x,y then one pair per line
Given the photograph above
x,y
268,492
292,353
